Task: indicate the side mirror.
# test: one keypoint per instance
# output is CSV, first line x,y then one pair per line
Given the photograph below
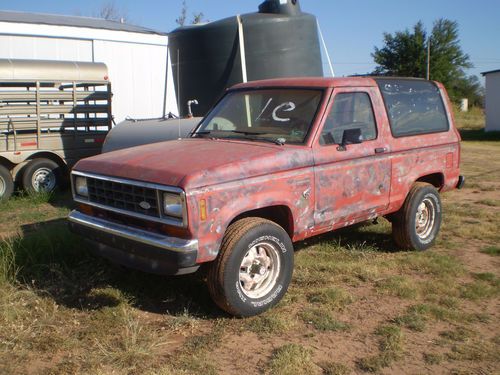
x,y
350,137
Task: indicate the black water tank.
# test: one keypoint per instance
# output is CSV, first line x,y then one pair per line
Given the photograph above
x,y
280,41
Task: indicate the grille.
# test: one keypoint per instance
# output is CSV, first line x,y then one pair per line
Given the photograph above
x,y
123,196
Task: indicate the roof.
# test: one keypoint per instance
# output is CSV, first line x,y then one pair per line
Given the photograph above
x,y
491,71
322,82
308,82
73,21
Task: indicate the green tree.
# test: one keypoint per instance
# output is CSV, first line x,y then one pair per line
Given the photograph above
x,y
197,17
405,54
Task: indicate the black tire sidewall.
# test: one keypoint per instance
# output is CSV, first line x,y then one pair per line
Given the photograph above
x,y
423,193
8,182
244,305
36,164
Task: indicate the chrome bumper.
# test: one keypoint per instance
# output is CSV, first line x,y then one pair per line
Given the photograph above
x,y
136,248
136,235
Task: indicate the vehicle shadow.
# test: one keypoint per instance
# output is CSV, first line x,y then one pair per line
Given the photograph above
x,y
53,262
353,237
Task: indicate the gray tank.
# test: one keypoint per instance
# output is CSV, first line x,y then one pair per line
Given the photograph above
x,y
279,41
130,133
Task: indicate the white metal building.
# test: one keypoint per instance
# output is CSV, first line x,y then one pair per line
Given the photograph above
x,y
136,57
492,100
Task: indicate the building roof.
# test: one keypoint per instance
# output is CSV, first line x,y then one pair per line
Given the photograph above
x,y
73,21
491,71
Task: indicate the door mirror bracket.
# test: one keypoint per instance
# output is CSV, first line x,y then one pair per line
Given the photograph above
x,y
349,137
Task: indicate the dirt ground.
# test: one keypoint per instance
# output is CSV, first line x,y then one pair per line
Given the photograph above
x,y
356,305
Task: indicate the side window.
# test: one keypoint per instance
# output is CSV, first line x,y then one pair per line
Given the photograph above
x,y
414,107
349,111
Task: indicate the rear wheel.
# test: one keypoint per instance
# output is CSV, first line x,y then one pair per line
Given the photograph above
x,y
6,183
253,269
41,175
417,224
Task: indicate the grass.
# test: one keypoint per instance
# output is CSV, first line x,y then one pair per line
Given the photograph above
x,y
491,250
270,323
414,319
335,298
398,286
323,320
291,359
390,349
432,358
334,368
64,311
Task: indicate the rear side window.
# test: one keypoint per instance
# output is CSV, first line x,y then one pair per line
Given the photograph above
x,y
349,111
414,107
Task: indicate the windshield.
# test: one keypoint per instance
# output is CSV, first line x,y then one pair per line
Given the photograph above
x,y
277,115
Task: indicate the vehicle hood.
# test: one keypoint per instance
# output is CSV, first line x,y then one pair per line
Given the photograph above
x,y
193,163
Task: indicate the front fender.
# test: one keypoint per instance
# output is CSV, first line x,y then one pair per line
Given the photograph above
x,y
213,209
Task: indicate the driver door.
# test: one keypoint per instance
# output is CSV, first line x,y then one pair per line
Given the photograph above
x,y
352,182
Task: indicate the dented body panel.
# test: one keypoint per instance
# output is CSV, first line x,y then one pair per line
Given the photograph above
x,y
307,188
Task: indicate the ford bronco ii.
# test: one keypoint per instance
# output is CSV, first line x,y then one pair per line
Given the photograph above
x,y
274,162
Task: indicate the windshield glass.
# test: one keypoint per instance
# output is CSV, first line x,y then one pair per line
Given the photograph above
x,y
277,115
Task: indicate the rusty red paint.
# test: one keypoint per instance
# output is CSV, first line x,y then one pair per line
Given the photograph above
x,y
321,187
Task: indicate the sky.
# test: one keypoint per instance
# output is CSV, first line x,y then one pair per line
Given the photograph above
x,y
351,28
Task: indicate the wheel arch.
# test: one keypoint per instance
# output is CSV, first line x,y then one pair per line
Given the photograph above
x,y
7,163
435,179
48,155
19,168
279,214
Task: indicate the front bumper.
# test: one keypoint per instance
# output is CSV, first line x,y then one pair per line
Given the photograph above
x,y
136,248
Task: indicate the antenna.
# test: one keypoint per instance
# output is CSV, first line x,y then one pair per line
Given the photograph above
x,y
326,49
165,98
179,90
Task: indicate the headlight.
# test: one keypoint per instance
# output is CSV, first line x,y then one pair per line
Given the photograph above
x,y
81,186
173,205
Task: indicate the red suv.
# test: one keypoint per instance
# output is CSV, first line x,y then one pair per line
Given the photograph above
x,y
274,162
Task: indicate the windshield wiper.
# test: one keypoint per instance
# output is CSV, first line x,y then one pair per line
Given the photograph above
x,y
253,136
201,133
248,135
245,133
276,141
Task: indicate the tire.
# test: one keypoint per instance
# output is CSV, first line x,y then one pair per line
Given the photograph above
x,y
253,269
416,225
6,183
41,175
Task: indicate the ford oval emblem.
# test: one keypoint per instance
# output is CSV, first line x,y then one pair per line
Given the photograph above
x,y
145,205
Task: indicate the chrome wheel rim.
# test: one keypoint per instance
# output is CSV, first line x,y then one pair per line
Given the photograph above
x,y
259,270
425,218
43,179
3,187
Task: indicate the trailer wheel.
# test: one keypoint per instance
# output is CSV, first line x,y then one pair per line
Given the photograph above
x,y
41,175
6,183
253,269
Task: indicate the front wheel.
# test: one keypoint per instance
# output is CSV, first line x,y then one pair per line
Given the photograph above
x,y
417,224
253,269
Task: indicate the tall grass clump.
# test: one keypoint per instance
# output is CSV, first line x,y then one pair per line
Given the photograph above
x,y
30,256
8,267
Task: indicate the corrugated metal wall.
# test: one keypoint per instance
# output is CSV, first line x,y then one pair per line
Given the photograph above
x,y
136,69
493,101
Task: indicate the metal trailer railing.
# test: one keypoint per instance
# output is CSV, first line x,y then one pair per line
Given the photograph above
x,y
52,119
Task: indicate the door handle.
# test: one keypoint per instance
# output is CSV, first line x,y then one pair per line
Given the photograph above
x,y
380,150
